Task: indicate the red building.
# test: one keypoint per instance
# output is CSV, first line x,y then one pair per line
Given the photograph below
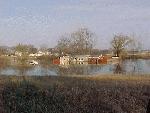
x,y
97,60
56,61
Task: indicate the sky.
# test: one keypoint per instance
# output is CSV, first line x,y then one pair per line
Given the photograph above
x,y
43,22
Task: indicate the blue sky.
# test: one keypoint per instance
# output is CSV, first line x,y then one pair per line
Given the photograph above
x,y
41,22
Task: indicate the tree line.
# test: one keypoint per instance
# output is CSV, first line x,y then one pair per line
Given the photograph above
x,y
80,42
83,41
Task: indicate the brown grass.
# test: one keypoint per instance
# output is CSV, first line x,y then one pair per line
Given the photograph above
x,y
98,94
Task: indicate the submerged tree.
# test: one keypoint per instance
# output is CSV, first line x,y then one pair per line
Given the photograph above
x,y
120,43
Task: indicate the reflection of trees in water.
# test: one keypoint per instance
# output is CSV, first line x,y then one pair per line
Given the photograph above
x,y
132,66
78,70
44,69
136,66
3,63
118,68
23,69
22,64
71,70
147,63
47,69
95,68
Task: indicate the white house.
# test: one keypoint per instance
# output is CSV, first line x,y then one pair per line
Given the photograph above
x,y
65,60
38,54
81,58
18,53
32,55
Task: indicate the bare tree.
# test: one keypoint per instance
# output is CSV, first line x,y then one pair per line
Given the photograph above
x,y
43,48
135,45
3,50
21,48
119,43
83,41
63,45
32,49
78,42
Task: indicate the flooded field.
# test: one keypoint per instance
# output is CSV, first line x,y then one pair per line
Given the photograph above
x,y
125,67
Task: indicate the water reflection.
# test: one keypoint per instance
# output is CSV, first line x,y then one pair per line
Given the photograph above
x,y
42,71
135,66
3,63
139,66
118,68
123,67
22,70
77,69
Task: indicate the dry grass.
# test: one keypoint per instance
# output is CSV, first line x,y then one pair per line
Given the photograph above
x,y
130,78
98,94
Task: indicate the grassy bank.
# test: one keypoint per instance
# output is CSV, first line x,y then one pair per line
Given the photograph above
x,y
99,94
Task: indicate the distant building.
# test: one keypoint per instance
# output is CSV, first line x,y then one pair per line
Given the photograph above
x,y
81,58
32,55
65,60
145,52
93,59
18,53
97,59
39,53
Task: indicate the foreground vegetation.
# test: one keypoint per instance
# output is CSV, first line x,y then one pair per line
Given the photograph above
x,y
99,94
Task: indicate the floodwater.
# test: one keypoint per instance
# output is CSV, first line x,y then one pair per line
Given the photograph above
x,y
139,66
